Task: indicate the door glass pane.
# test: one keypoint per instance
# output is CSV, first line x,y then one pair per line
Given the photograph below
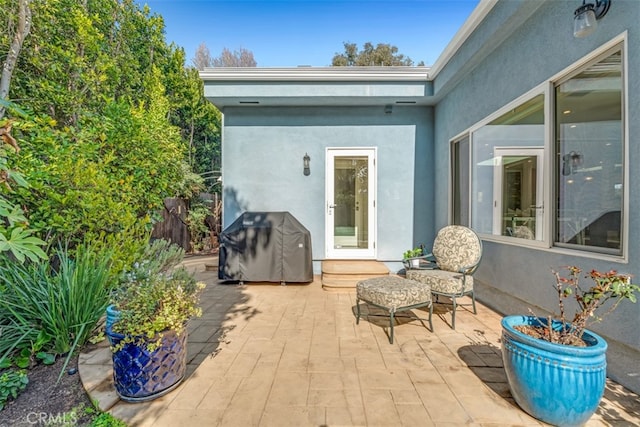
x,y
590,147
351,202
519,179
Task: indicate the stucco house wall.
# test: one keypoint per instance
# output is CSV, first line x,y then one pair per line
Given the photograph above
x,y
262,154
518,46
505,49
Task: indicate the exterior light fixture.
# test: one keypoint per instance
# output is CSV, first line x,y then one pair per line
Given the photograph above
x,y
305,163
586,16
571,162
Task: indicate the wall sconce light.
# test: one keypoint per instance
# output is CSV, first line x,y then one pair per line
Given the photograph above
x,y
305,163
585,17
571,162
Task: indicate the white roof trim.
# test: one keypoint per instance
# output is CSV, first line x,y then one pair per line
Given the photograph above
x,y
366,74
316,74
469,26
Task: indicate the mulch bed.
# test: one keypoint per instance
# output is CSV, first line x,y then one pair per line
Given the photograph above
x,y
45,400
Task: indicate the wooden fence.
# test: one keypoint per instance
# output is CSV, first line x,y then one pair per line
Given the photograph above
x,y
174,228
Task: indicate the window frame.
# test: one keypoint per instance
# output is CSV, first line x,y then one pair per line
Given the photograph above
x,y
456,142
541,89
596,56
547,89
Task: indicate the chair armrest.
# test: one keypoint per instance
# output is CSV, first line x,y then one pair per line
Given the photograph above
x,y
469,269
426,262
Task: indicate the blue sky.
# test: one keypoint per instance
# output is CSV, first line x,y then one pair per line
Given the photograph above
x,y
310,32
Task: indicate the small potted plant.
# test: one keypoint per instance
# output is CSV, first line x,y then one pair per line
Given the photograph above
x,y
148,333
556,367
411,257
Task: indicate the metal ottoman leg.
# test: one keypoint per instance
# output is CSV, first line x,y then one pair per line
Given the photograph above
x,y
391,312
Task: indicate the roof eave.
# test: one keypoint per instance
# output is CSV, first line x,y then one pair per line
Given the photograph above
x,y
316,74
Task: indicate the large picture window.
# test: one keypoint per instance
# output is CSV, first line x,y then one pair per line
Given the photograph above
x,y
507,191
499,182
590,164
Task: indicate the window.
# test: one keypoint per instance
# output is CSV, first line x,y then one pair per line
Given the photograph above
x,y
460,166
590,163
499,182
507,190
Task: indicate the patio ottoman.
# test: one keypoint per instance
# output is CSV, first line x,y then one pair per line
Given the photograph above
x,y
394,294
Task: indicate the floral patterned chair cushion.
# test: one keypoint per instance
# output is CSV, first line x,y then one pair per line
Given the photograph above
x,y
457,251
444,281
456,247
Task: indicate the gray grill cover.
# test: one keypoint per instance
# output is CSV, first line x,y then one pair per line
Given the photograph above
x,y
266,247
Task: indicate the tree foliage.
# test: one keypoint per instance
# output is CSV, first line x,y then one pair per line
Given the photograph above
x,y
18,30
16,237
202,58
113,116
381,55
199,120
238,58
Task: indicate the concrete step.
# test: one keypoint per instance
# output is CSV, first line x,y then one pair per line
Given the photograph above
x,y
354,267
343,275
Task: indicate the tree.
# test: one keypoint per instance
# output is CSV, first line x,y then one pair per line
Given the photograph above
x,y
237,58
202,59
21,31
198,119
99,147
381,55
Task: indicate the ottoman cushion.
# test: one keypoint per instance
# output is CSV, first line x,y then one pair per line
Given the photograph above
x,y
392,292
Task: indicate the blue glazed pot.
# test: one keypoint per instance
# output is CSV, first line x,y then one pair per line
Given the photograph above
x,y
113,315
140,375
557,384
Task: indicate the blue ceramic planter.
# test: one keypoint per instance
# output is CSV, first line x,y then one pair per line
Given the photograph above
x,y
557,384
113,316
140,375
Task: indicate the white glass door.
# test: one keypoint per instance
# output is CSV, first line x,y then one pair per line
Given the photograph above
x,y
517,201
350,203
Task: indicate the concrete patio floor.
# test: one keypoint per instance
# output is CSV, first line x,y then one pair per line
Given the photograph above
x,y
272,355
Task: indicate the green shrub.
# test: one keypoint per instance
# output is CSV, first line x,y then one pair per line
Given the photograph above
x,y
105,419
11,384
155,297
15,236
125,246
109,174
53,310
198,228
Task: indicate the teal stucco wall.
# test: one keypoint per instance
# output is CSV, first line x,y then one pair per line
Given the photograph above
x,y
262,166
520,45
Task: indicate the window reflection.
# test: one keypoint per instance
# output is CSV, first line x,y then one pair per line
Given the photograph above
x,y
507,190
589,147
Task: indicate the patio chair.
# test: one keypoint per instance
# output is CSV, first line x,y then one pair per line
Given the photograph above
x,y
457,251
